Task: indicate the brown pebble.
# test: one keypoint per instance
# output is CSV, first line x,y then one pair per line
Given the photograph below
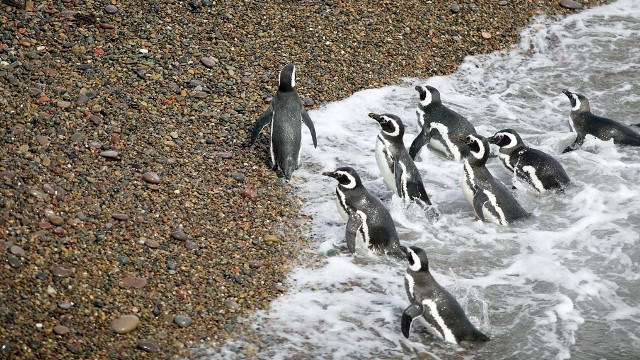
x,y
124,324
486,35
17,250
570,4
110,9
61,329
255,263
95,119
107,26
148,346
136,282
250,193
224,155
151,177
308,101
48,189
241,244
7,175
45,225
56,220
58,231
179,235
61,271
152,243
280,288
121,217
208,62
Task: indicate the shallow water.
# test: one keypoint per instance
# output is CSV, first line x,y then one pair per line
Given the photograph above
x,y
563,284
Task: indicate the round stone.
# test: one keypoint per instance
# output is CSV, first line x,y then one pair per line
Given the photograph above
x,y
182,320
110,9
148,346
179,235
208,62
48,189
16,250
65,305
136,282
455,8
60,329
231,305
152,243
56,220
151,177
124,324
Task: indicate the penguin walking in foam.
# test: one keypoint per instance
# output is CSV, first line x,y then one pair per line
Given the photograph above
x,y
285,114
364,215
490,199
583,122
537,168
434,306
398,169
441,126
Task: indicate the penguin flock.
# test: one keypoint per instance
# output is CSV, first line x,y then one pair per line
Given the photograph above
x,y
445,131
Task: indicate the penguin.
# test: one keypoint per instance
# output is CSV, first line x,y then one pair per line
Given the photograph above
x,y
285,114
441,126
432,305
583,122
537,168
364,215
398,169
490,199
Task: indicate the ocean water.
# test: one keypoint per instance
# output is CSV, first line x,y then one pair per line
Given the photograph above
x,y
563,284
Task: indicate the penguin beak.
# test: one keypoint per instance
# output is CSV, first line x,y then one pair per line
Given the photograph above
x,y
375,117
567,92
423,93
330,174
405,250
492,140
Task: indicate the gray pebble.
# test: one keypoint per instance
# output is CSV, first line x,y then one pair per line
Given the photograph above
x,y
148,346
179,235
208,62
182,320
455,8
111,154
110,9
151,177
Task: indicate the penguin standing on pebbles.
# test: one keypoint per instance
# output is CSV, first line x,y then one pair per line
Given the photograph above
x,y
285,114
583,122
432,305
364,214
537,168
490,199
398,169
441,126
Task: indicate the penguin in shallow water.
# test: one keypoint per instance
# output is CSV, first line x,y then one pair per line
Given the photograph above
x,y
490,199
364,215
441,126
398,169
285,114
432,305
583,122
537,168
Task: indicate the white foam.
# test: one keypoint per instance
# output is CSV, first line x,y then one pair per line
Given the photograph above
x,y
561,284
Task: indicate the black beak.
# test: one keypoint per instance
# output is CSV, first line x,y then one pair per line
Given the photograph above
x,y
330,174
375,117
492,140
405,250
567,92
423,94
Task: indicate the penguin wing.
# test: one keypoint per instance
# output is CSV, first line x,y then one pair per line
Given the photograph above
x,y
479,199
414,311
307,121
419,142
263,120
400,184
576,144
353,225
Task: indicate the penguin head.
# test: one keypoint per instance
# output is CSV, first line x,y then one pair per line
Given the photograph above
x,y
391,125
428,94
506,139
346,176
287,79
478,149
417,258
579,102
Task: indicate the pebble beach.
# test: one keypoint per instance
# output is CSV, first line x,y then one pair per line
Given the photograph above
x,y
135,220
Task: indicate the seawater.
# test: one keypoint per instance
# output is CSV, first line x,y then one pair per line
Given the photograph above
x,y
563,284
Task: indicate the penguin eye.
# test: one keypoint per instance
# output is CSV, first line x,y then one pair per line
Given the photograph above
x,y
468,138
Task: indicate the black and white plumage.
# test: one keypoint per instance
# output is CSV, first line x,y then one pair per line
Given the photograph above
x,y
584,122
398,169
432,305
533,166
364,215
442,127
286,115
490,199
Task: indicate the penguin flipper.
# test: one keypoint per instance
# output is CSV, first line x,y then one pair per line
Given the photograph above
x,y
262,121
576,144
479,199
419,142
353,225
397,171
307,121
414,311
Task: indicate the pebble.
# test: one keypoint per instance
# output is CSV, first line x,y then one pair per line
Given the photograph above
x,y
148,346
48,189
570,4
14,261
179,235
63,104
255,263
124,324
110,9
62,272
238,177
250,193
56,220
151,177
455,8
65,305
16,250
7,175
190,245
111,154
51,290
136,282
60,329
224,155
121,217
208,62
152,243
231,305
182,320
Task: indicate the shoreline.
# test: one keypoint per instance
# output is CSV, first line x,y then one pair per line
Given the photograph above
x,y
128,189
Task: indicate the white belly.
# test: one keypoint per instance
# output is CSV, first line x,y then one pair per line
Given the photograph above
x,y
466,190
381,160
341,211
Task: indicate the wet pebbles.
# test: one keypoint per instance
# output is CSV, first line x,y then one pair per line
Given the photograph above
x,y
123,136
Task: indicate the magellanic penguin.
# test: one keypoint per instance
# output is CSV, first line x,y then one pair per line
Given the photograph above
x,y
583,122
364,215
398,169
537,168
434,306
285,114
441,126
490,199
